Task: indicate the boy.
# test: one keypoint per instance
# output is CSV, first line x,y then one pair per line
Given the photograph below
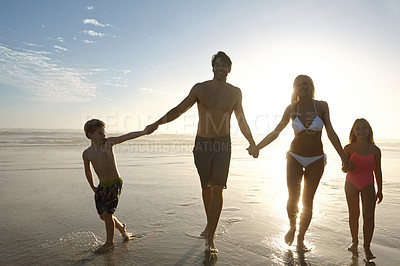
x,y
100,154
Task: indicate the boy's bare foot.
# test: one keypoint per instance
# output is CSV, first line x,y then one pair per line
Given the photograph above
x,y
289,237
105,248
128,236
211,246
368,254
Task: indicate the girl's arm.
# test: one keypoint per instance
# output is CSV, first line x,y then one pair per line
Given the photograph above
x,y
378,174
275,133
346,168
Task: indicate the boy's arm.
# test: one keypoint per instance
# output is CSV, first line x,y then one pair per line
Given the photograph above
x,y
128,136
88,172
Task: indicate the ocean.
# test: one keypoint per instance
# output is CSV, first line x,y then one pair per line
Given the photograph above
x,y
48,216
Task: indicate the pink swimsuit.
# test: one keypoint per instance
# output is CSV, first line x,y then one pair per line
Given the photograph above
x,y
363,174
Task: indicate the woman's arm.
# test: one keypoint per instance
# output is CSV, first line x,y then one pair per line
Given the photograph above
x,y
275,133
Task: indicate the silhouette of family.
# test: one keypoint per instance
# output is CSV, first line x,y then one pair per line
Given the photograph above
x,y
216,101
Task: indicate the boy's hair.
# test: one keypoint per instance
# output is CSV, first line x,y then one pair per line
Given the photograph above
x,y
92,125
370,138
223,57
295,98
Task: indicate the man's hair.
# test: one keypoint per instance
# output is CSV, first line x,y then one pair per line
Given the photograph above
x,y
223,57
92,125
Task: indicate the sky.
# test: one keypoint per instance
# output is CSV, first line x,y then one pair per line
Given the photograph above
x,y
129,62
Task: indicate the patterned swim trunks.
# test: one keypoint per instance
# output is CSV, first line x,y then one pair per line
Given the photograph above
x,y
107,196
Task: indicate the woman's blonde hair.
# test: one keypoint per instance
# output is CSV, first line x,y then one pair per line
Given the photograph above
x,y
370,138
295,97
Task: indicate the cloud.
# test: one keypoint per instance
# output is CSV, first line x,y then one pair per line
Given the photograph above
x,y
95,23
60,48
93,33
151,91
89,7
88,41
43,78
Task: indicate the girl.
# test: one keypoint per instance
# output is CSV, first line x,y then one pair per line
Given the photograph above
x,y
366,157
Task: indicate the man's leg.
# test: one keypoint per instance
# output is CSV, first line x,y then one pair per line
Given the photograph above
x,y
214,211
207,195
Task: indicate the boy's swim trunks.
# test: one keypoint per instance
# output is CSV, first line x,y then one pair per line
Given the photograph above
x,y
212,158
107,196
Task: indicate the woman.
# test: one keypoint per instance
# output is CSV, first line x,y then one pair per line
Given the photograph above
x,y
306,156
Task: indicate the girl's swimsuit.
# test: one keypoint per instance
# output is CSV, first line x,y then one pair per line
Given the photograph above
x,y
298,127
362,175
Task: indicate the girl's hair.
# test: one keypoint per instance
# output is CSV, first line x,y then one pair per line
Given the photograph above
x,y
370,138
295,97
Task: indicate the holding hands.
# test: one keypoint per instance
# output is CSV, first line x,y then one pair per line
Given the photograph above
x,y
150,128
253,151
347,166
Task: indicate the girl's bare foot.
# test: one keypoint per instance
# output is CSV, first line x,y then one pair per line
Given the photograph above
x,y
289,237
353,248
368,254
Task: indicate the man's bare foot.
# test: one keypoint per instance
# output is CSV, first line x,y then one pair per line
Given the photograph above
x,y
353,248
368,254
105,248
289,237
211,246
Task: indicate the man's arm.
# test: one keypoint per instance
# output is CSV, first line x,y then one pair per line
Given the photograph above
x,y
244,127
88,171
177,111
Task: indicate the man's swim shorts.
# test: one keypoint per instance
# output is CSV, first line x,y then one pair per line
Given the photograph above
x,y
107,196
212,158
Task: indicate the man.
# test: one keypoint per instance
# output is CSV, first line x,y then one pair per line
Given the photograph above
x,y
216,101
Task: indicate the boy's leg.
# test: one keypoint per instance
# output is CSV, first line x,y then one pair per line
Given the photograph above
x,y
353,203
110,225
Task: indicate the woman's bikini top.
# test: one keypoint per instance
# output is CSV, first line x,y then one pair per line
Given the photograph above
x,y
316,125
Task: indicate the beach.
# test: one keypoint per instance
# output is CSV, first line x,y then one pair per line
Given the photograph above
x,y
48,216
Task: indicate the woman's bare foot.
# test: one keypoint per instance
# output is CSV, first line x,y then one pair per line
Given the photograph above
x,y
126,235
301,246
204,234
105,248
368,254
289,237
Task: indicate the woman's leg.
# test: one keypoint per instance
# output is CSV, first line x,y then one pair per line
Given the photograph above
x,y
353,203
294,176
312,176
368,205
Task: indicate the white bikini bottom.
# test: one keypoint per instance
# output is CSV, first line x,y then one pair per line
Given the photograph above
x,y
306,161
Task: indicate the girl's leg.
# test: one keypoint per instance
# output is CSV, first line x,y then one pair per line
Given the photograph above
x,y
353,203
312,176
368,206
294,175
